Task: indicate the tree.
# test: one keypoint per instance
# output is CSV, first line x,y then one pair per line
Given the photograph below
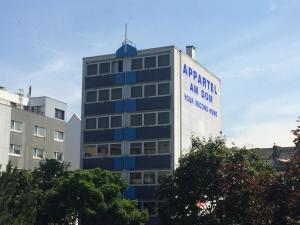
x,y
17,197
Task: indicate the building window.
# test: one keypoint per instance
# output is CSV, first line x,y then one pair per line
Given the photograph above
x,y
59,114
163,60
37,109
150,148
92,69
16,126
38,153
163,147
149,119
150,62
135,148
58,135
115,121
137,64
161,175
115,149
104,68
39,131
150,90
90,151
117,66
163,89
136,178
136,120
149,177
15,149
90,123
58,156
163,117
137,92
116,93
103,95
102,151
103,122
91,96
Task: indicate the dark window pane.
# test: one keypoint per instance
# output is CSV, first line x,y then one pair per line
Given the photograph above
x,y
135,178
92,69
91,96
103,122
164,89
163,60
136,92
163,147
163,118
150,90
104,68
103,95
90,151
137,64
59,114
116,121
102,150
136,120
150,62
116,93
90,123
149,177
149,119
117,66
135,148
115,149
149,148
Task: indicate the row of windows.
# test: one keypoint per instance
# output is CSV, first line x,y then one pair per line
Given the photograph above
x,y
140,63
147,177
135,148
136,120
38,131
150,206
37,153
138,91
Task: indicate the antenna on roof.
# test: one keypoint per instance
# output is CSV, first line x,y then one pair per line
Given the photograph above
x,y
125,33
126,41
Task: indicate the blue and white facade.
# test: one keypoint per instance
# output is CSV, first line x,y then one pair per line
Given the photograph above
x,y
139,110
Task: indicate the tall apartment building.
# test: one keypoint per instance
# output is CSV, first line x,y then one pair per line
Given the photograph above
x,y
32,129
139,111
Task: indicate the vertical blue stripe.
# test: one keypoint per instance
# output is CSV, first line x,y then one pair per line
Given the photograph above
x,y
130,163
119,78
129,193
118,134
118,163
130,133
130,77
119,106
130,105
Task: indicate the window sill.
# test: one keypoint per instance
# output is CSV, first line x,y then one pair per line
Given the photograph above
x,y
39,136
58,140
37,158
16,131
16,155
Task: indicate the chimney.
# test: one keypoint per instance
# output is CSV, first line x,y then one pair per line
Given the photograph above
x,y
191,51
29,92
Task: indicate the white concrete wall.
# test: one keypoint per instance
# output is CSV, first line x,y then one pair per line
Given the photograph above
x,y
6,97
5,118
72,142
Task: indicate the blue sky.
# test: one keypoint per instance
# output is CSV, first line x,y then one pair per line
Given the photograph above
x,y
253,46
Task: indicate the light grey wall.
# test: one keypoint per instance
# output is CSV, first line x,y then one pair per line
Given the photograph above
x,y
29,141
5,113
72,142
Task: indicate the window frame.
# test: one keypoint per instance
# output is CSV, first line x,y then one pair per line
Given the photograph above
x,y
61,111
103,62
55,137
142,172
34,156
143,147
104,116
12,148
35,131
14,122
109,144
62,156
156,87
156,118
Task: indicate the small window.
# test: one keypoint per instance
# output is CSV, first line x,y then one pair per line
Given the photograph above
x,y
59,114
163,147
149,119
58,135
150,62
92,69
135,148
150,90
15,149
102,150
163,118
58,156
161,176
150,207
90,151
38,153
135,178
164,89
116,93
136,120
39,131
103,122
137,64
117,66
136,92
103,95
163,60
104,68
149,177
149,148
90,123
16,126
116,121
115,149
91,96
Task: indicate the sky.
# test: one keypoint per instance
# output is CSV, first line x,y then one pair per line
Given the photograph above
x,y
252,45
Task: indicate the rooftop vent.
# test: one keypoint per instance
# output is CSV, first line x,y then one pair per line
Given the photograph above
x,y
191,51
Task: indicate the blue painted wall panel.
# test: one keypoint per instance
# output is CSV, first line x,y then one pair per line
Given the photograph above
x,y
130,133
130,105
119,105
103,163
95,136
118,136
119,78
130,162
126,50
118,163
130,77
153,132
159,74
130,193
153,162
163,102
